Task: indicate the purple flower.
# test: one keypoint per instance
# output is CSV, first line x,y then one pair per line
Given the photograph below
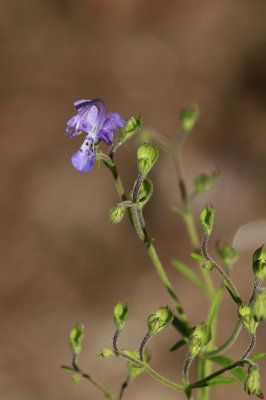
x,y
98,125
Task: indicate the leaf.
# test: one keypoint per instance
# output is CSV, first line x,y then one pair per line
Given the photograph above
x,y
257,356
214,307
180,326
232,294
238,372
179,344
189,273
66,368
204,182
219,380
197,256
76,379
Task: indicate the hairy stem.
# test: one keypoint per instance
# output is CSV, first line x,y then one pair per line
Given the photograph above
x,y
154,374
102,388
139,223
250,347
226,279
219,372
226,345
142,345
123,387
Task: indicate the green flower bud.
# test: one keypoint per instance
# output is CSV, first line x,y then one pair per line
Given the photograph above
x,y
76,336
146,158
189,116
117,212
207,219
208,265
252,382
145,193
160,320
228,254
259,263
105,353
259,307
200,336
120,315
203,182
247,319
132,127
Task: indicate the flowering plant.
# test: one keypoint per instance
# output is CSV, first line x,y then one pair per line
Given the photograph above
x,y
200,339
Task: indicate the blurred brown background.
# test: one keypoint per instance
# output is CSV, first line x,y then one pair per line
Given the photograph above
x,y
62,262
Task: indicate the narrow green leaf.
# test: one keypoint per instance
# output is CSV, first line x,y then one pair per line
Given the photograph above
x,y
219,380
257,356
189,273
232,294
238,372
214,307
66,368
179,344
178,212
197,256
180,326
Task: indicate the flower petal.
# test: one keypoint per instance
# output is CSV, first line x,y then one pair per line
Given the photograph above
x,y
106,136
73,126
87,110
113,121
84,158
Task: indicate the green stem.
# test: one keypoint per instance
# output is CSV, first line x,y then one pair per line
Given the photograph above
x,y
153,373
162,274
138,223
236,331
194,238
102,388
204,366
228,283
227,344
219,372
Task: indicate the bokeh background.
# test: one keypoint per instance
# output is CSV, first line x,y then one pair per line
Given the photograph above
x,y
62,262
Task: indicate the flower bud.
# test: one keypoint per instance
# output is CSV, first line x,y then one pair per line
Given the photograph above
x,y
200,336
160,320
76,336
203,182
228,254
117,212
247,319
105,353
252,382
146,158
120,315
189,116
259,307
207,219
259,263
208,265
